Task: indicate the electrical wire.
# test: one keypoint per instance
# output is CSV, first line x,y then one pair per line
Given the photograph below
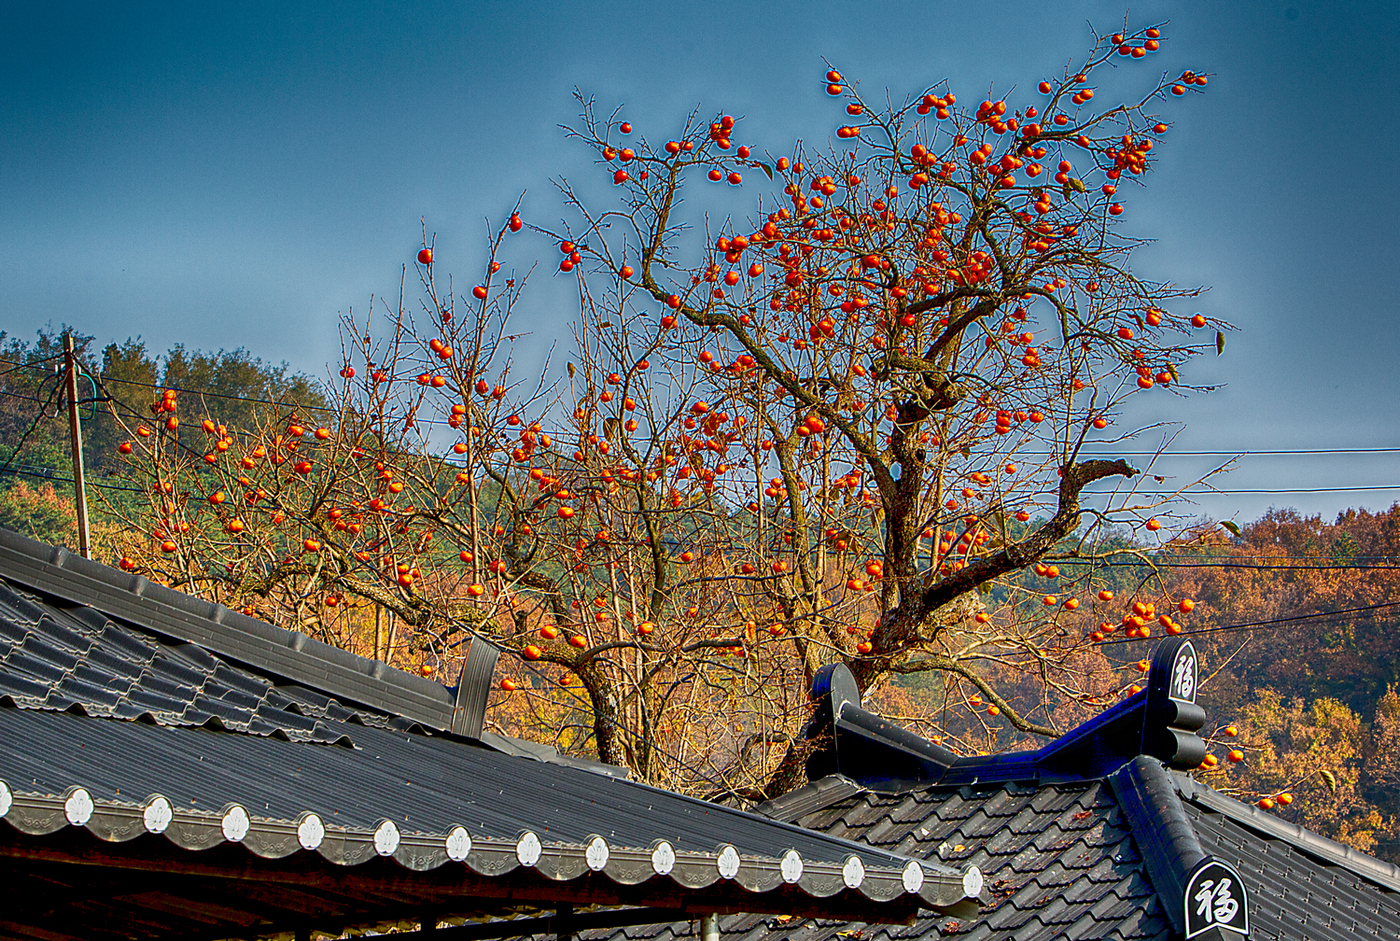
x,y
1250,625
49,475
38,417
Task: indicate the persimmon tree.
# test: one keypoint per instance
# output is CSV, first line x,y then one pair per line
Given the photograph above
x,y
846,427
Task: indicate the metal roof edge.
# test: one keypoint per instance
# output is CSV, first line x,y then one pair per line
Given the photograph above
x,y
1327,851
809,798
41,814
251,643
1164,835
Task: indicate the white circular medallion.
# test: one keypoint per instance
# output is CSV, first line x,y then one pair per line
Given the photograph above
x,y
596,854
972,882
853,873
235,824
386,838
157,814
791,866
663,859
6,799
78,807
311,832
728,862
913,877
459,844
528,849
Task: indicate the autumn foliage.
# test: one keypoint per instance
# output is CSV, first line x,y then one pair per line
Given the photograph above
x,y
849,426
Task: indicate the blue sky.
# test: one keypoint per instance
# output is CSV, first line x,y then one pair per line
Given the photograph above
x,y
237,174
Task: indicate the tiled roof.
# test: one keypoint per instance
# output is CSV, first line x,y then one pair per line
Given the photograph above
x,y
1106,854
114,722
1059,860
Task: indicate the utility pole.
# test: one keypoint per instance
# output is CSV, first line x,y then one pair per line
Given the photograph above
x,y
75,427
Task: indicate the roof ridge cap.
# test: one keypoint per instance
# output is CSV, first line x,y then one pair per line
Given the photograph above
x,y
1364,865
1164,834
810,798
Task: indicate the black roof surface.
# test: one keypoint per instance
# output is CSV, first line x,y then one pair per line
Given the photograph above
x,y
129,710
1104,855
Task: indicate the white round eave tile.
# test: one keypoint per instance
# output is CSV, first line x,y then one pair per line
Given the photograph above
x,y
386,838
459,844
528,849
791,866
157,814
78,807
972,882
663,859
235,824
853,873
596,854
311,832
913,877
6,799
728,862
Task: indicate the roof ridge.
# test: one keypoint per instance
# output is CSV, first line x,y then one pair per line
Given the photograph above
x,y
1346,857
809,798
1164,835
257,645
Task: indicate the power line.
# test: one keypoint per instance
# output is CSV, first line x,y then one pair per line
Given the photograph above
x,y
1248,625
1250,453
43,474
1254,566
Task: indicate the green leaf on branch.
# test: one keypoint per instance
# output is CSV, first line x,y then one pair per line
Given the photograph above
x,y
1232,527
1219,342
767,169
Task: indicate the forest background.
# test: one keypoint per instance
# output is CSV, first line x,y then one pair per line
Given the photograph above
x,y
1312,701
